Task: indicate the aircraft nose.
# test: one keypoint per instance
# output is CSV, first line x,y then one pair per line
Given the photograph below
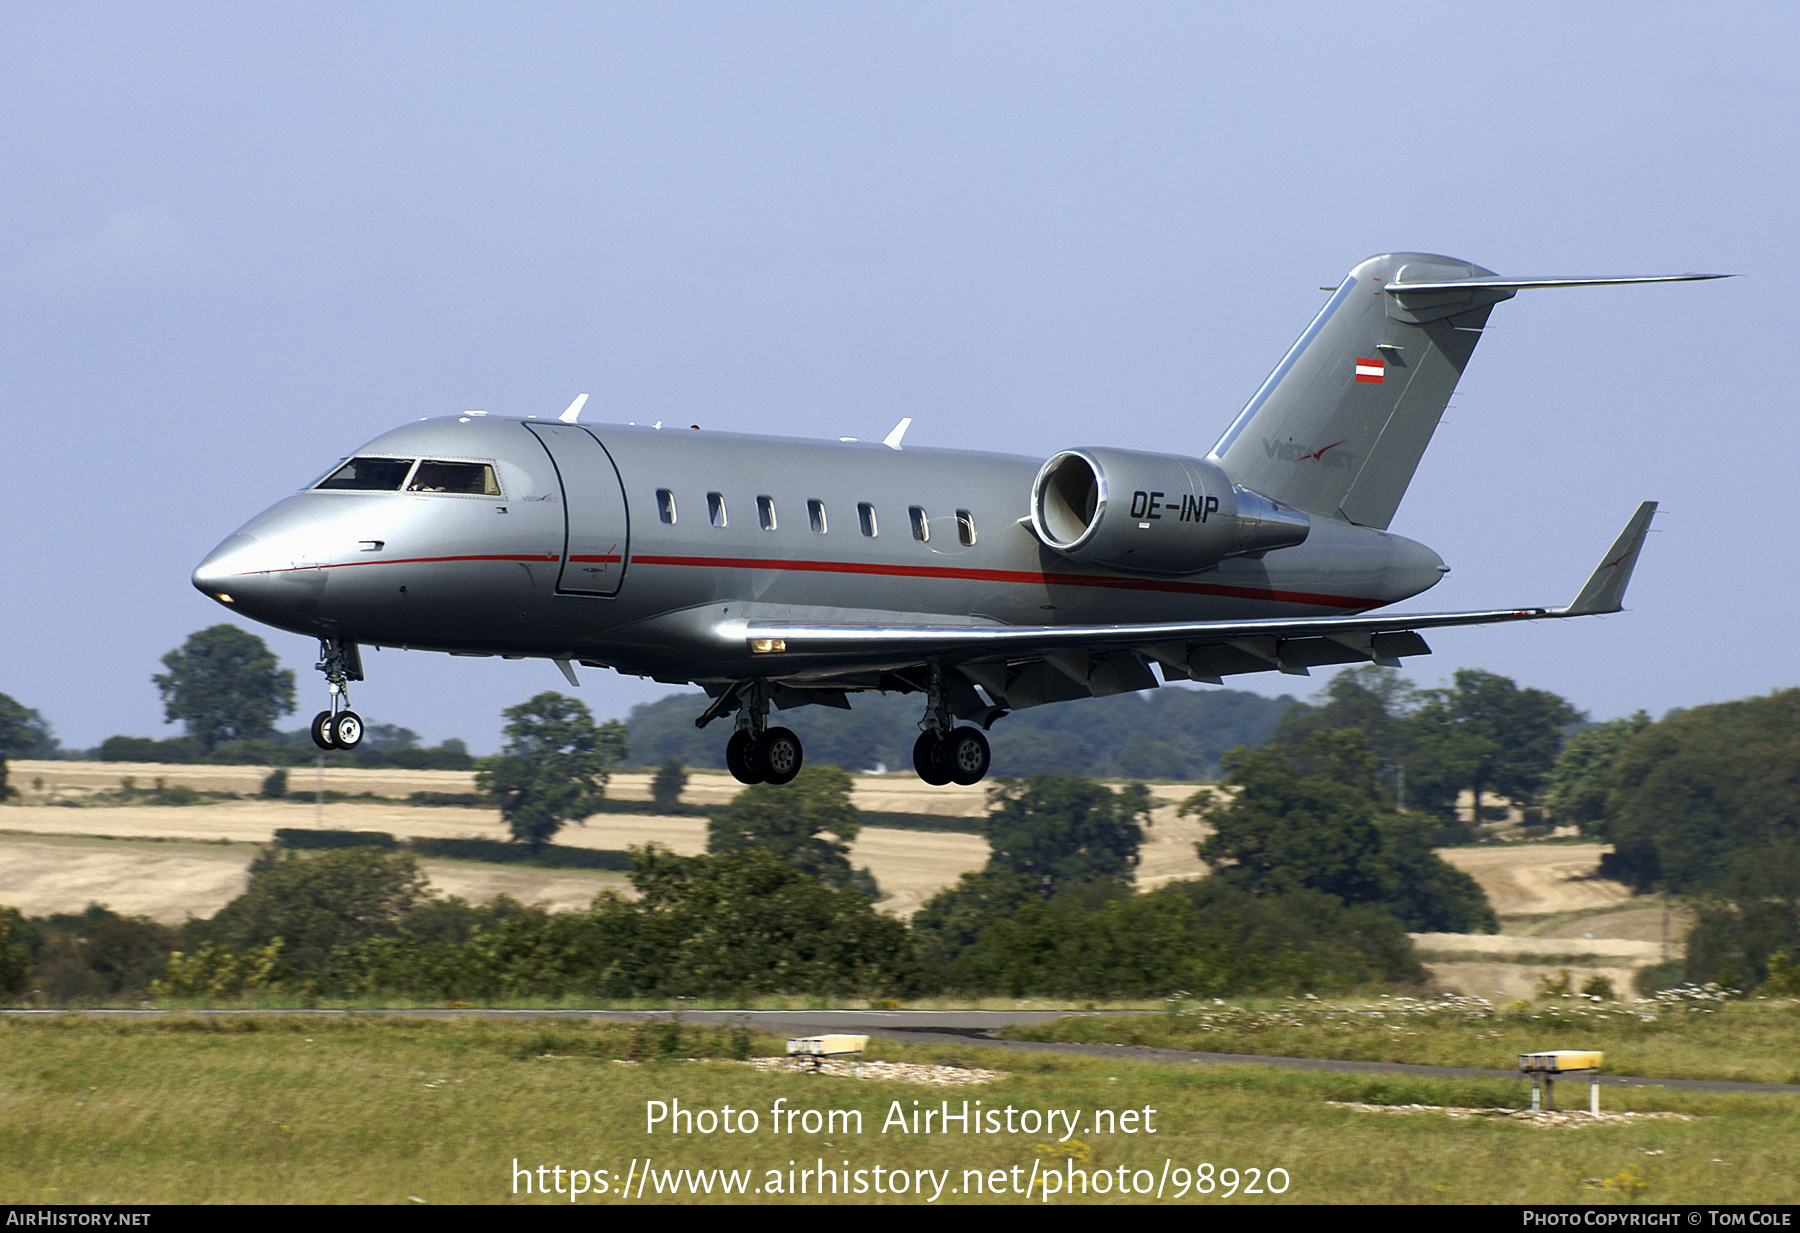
x,y
233,571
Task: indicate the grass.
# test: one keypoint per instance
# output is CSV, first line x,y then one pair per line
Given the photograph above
x,y
1755,1041
313,1110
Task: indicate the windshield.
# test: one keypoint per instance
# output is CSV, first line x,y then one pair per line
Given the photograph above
x,y
471,478
369,475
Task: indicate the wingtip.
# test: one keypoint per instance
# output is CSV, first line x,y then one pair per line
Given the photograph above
x,y
1605,589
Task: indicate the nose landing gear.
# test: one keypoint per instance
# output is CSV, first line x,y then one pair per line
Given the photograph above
x,y
340,727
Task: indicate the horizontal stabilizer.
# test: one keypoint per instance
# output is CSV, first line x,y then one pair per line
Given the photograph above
x,y
1502,283
1605,589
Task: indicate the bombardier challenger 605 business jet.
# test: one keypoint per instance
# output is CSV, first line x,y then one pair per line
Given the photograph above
x,y
770,570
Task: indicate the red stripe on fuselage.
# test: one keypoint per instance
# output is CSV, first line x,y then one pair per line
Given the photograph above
x,y
418,561
1009,576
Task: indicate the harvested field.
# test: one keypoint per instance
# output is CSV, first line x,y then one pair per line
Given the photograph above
x,y
1513,982
1638,924
1554,904
179,868
912,866
1538,879
166,882
169,882
1499,945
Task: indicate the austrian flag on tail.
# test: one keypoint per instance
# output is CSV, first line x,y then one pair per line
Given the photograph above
x,y
1370,370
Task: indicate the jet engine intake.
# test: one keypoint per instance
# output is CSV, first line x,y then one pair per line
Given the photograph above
x,y
1154,513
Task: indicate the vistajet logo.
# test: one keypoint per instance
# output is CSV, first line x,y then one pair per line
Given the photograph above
x,y
1326,455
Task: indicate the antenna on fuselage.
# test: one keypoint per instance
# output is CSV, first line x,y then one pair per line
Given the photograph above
x,y
892,440
574,410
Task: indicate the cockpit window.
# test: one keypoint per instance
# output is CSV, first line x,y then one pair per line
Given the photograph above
x,y
468,478
369,475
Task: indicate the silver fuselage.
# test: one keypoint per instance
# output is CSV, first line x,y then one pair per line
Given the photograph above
x,y
577,556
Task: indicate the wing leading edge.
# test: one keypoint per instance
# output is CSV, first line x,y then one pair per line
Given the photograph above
x,y
1082,660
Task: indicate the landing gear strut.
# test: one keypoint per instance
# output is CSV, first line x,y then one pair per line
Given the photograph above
x,y
945,753
756,753
340,727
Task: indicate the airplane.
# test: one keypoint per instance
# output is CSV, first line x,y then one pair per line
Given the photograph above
x,y
783,572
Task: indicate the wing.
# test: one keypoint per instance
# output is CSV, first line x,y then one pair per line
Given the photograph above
x,y
1024,665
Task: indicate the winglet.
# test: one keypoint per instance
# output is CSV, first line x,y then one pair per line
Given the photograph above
x,y
573,411
892,440
1605,589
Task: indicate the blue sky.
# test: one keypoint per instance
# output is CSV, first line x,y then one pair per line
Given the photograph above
x,y
238,240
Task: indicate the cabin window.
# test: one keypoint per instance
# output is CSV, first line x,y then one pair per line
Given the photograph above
x,y
665,505
921,526
815,514
765,512
369,475
865,514
472,479
965,527
715,509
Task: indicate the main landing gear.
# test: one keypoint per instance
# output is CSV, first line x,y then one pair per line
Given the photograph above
x,y
340,727
756,753
945,753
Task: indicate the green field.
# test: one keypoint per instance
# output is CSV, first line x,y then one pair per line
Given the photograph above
x,y
1754,1042
387,1110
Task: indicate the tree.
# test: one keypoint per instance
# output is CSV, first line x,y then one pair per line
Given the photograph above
x,y
1373,699
23,733
1576,788
954,919
15,951
1694,793
225,685
314,904
1060,831
1312,817
554,768
1485,734
792,821
666,787
1745,923
386,738
748,923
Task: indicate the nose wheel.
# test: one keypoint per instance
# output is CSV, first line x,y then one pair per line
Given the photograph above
x,y
339,727
343,730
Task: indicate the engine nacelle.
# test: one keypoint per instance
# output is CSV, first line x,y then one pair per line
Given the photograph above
x,y
1154,513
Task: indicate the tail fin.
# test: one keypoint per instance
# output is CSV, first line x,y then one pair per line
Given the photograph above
x,y
1340,425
